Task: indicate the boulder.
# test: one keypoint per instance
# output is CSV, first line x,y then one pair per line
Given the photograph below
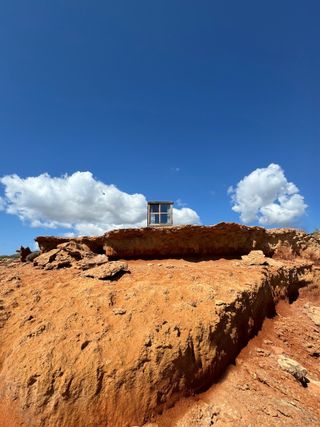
x,y
95,261
294,368
109,271
255,258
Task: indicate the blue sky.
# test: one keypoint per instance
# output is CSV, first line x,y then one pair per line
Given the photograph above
x,y
171,99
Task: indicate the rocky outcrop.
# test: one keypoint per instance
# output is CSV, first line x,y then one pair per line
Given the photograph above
x,y
79,255
65,254
288,243
221,240
47,243
227,240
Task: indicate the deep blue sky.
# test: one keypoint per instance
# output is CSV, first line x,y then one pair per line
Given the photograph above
x,y
131,90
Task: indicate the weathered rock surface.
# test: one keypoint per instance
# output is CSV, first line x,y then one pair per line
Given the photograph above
x,y
255,390
108,271
313,313
255,258
294,368
47,243
287,243
66,254
79,255
93,261
75,352
221,240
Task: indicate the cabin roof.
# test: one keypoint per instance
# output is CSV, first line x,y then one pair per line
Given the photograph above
x,y
157,202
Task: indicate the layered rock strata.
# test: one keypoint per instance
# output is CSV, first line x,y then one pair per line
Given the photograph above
x,y
228,240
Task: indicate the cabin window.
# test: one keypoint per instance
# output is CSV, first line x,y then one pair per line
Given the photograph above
x,y
160,213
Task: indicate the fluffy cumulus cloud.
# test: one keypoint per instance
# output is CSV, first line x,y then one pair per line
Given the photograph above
x,y
185,216
266,196
77,202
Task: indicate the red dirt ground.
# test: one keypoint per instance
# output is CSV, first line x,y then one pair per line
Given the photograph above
x,y
255,391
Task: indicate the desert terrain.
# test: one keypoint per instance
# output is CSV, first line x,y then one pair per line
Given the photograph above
x,y
122,331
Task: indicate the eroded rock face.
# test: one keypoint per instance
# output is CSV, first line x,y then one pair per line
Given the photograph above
x,y
258,390
221,240
224,240
286,243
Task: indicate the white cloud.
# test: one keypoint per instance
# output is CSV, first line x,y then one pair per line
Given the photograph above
x,y
180,203
77,202
266,196
185,216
